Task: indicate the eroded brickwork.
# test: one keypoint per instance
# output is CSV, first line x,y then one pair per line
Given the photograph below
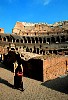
x,y
54,67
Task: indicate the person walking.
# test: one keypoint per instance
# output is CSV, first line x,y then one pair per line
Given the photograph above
x,y
18,83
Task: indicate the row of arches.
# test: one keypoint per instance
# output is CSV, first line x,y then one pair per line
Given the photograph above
x,y
37,39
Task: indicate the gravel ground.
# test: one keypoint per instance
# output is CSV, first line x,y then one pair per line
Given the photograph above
x,y
34,90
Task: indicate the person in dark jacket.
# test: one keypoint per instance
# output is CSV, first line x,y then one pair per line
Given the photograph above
x,y
18,83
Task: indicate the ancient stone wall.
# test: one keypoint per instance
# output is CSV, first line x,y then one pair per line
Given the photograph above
x,y
54,67
1,30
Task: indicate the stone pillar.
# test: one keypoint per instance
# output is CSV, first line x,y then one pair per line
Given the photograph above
x,y
12,40
15,41
6,40
2,39
2,57
27,41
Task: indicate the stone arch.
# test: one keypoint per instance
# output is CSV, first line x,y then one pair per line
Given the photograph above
x,y
37,51
7,38
4,39
30,49
28,39
17,40
33,41
52,39
41,51
34,51
25,40
36,39
55,51
48,40
66,38
50,51
63,38
27,49
44,40
58,39
21,41
40,39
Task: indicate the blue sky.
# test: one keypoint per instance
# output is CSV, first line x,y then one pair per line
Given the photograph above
x,y
48,11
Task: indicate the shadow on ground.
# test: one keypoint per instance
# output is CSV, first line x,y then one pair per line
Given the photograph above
x,y
58,84
8,67
3,81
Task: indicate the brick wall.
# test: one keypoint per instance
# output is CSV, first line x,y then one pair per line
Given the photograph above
x,y
54,67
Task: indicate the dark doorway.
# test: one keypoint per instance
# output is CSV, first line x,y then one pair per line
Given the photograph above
x,y
34,69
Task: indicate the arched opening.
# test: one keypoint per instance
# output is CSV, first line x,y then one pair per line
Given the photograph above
x,y
40,39
66,38
57,39
30,49
21,41
50,51
4,39
27,49
37,50
17,40
41,51
34,51
8,38
44,40
48,40
52,40
25,40
33,41
28,39
36,39
55,51
62,38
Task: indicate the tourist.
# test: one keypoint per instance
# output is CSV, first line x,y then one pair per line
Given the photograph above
x,y
18,73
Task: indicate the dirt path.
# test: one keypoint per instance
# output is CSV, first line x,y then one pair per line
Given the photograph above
x,y
34,90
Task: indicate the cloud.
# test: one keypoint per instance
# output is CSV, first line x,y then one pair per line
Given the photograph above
x,y
43,2
46,2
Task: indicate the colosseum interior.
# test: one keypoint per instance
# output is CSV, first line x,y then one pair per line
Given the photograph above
x,y
44,46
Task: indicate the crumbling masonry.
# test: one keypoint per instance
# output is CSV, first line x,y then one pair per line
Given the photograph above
x,y
42,39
